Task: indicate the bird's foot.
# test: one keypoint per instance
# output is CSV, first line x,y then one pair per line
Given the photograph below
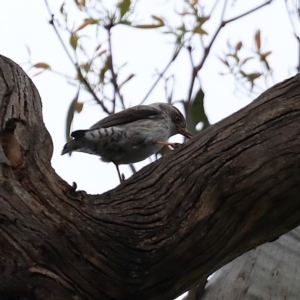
x,y
121,176
73,188
71,191
173,145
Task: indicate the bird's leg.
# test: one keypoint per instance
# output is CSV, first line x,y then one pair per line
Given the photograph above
x,y
122,178
153,142
173,145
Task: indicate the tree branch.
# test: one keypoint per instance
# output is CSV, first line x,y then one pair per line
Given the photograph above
x,y
113,73
228,190
174,56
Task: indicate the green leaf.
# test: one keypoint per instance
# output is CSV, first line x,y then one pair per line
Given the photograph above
x,y
202,20
70,115
264,55
126,22
160,23
148,26
126,80
199,30
197,112
62,10
86,23
124,7
252,76
101,53
79,107
80,3
234,56
194,3
74,40
42,66
86,66
159,20
104,70
243,61
243,73
257,39
224,61
238,46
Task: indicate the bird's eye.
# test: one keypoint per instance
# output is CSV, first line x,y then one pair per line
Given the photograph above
x,y
177,119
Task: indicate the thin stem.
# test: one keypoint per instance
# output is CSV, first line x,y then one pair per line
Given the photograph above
x,y
61,74
113,73
176,52
90,89
214,7
294,31
196,69
58,35
248,12
207,48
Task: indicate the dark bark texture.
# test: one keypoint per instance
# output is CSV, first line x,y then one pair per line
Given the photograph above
x,y
231,188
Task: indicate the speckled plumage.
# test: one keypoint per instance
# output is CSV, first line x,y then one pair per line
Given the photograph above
x,y
131,135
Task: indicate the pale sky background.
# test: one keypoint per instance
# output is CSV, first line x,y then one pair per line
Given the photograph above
x,y
25,22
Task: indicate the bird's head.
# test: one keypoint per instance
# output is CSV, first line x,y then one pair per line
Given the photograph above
x,y
176,120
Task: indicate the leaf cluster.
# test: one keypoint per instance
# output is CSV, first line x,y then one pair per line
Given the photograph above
x,y
247,64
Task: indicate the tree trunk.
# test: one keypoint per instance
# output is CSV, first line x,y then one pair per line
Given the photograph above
x,y
270,271
231,188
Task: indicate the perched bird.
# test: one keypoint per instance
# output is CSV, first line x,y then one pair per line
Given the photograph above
x,y
131,135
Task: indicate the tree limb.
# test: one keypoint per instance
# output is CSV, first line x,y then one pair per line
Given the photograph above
x,y
234,186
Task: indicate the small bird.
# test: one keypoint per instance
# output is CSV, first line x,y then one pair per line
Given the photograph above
x,y
131,135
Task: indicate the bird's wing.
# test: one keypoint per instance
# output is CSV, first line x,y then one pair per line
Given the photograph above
x,y
127,116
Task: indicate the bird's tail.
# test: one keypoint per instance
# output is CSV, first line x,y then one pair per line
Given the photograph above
x,y
68,147
78,143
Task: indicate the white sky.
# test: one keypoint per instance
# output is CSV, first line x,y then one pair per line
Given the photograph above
x,y
26,23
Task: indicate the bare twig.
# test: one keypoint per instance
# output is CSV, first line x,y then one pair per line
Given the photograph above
x,y
90,89
57,33
294,31
61,74
113,73
176,52
214,7
84,80
196,69
248,12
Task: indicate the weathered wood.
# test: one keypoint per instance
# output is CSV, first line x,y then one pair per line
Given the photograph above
x,y
229,189
270,271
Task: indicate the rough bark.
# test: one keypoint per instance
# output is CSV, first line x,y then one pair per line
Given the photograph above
x,y
234,186
270,271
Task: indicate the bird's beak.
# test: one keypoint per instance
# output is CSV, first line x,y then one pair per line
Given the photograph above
x,y
185,132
